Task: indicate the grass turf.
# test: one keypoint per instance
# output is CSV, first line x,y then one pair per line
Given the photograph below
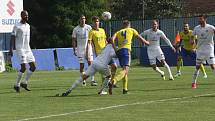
x,y
150,98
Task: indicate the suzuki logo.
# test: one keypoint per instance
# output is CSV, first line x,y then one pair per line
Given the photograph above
x,y
10,9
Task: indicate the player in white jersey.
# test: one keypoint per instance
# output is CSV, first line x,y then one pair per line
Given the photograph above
x,y
100,64
79,40
154,51
20,39
205,46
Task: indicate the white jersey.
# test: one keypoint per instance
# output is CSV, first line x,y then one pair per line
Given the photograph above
x,y
22,36
154,38
205,37
106,55
81,34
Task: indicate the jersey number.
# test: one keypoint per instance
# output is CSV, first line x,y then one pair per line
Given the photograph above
x,y
123,33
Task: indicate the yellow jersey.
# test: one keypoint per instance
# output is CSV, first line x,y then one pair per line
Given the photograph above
x,y
124,37
98,39
186,37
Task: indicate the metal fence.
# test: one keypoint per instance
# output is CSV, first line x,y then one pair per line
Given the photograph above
x,y
169,26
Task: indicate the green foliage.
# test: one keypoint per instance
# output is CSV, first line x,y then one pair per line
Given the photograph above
x,y
52,21
133,9
8,68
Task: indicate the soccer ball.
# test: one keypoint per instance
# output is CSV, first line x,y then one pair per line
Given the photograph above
x,y
106,15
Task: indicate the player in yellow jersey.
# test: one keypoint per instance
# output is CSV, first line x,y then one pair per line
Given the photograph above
x,y
97,38
187,50
123,38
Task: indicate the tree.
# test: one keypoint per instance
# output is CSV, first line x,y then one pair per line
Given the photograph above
x,y
133,9
52,21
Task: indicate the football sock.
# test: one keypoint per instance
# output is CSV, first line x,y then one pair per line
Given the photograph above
x,y
105,84
92,78
27,77
179,64
195,76
202,68
18,78
118,76
168,69
76,83
159,71
125,82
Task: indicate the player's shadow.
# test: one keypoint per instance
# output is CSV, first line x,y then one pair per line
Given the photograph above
x,y
73,95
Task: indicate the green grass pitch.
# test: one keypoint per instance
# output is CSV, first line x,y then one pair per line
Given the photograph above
x,y
150,98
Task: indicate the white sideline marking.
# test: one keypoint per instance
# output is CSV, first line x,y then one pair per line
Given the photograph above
x,y
115,106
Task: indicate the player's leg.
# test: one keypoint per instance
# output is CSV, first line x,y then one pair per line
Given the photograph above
x,y
32,68
31,61
195,76
81,61
202,68
211,62
19,77
156,69
192,54
113,66
179,65
168,69
90,60
179,62
125,81
23,60
104,70
89,72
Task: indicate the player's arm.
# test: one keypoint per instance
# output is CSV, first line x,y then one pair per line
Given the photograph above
x,y
12,44
12,41
163,36
113,39
142,40
140,37
74,42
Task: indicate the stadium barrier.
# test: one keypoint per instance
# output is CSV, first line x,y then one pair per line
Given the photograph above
x,y
170,57
44,59
2,62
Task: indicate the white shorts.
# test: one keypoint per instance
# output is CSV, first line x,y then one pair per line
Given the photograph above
x,y
25,56
81,54
202,56
93,68
154,54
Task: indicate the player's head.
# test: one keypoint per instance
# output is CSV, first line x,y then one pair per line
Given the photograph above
x,y
126,23
82,19
186,26
154,25
24,16
202,19
95,20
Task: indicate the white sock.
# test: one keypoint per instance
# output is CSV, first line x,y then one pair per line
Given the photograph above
x,y
18,78
92,78
195,76
168,69
105,84
76,83
27,77
159,71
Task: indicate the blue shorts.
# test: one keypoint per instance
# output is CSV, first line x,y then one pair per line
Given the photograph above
x,y
187,53
124,57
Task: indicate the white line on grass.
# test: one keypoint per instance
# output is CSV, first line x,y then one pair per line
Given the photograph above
x,y
115,106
